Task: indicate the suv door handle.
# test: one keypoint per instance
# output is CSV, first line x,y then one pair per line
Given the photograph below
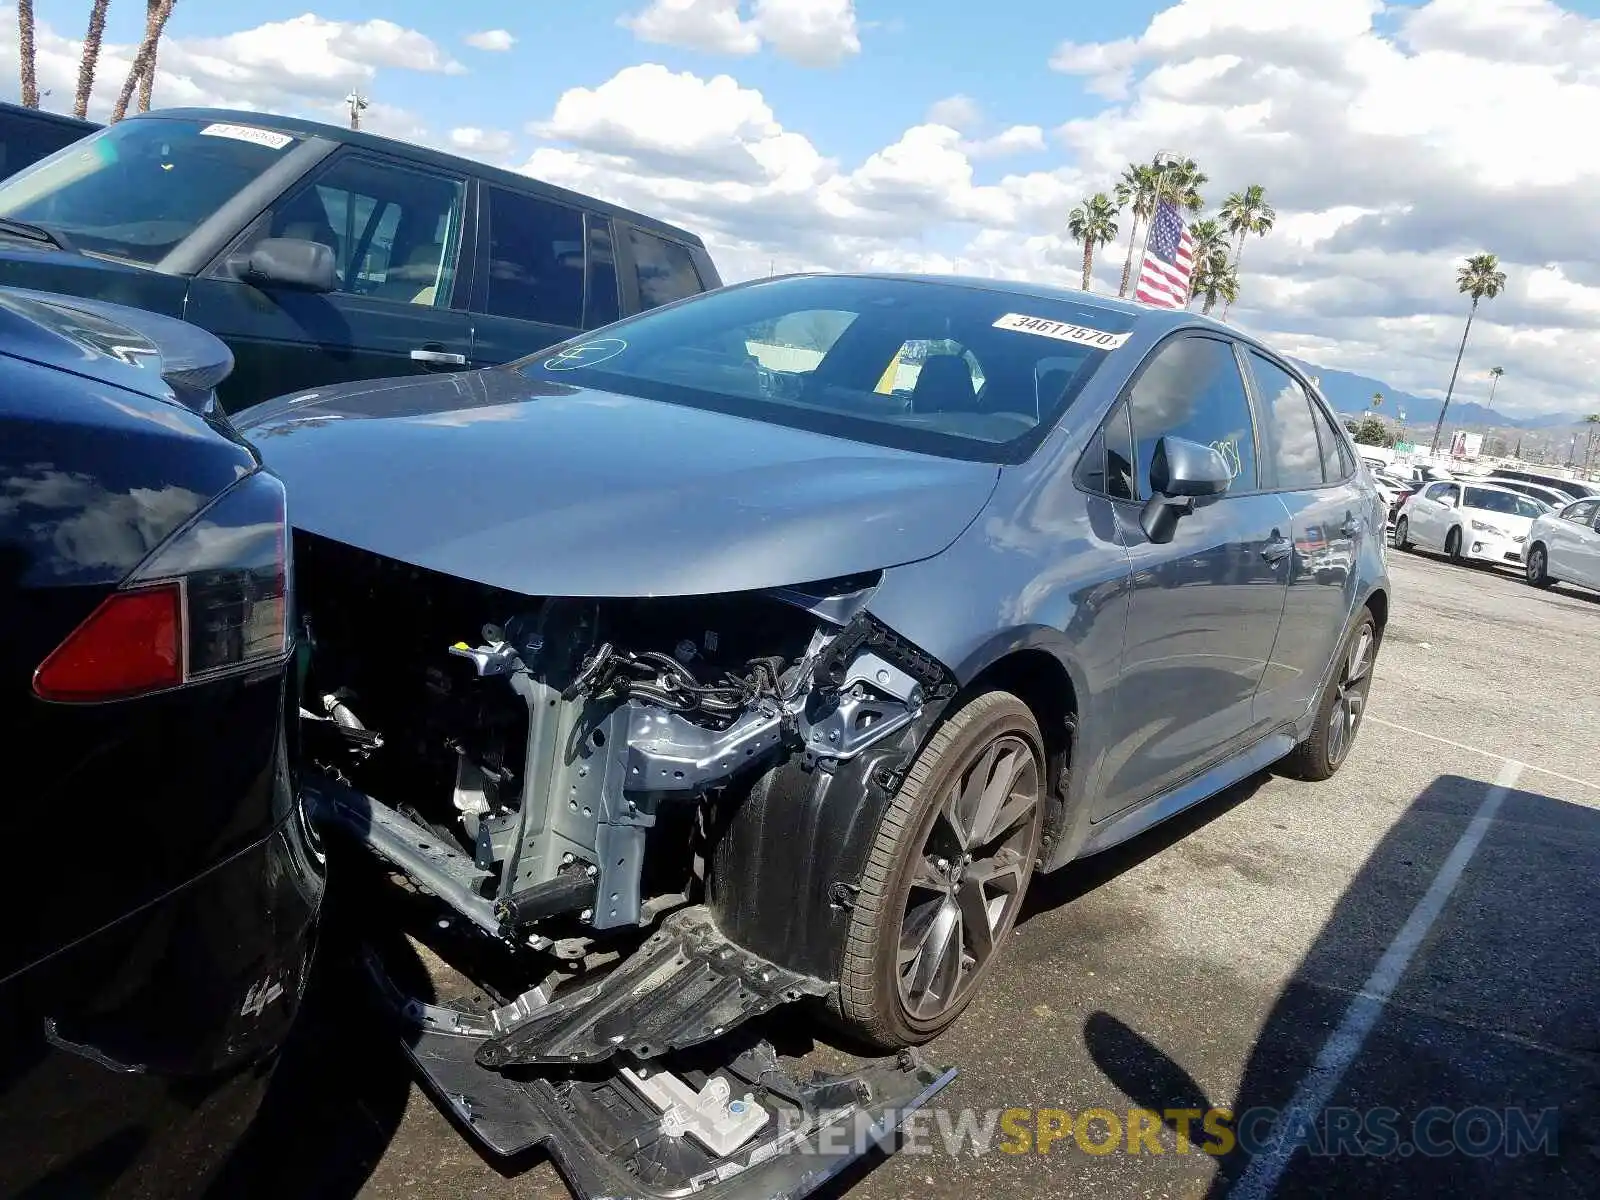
x,y
1352,526
1277,549
438,358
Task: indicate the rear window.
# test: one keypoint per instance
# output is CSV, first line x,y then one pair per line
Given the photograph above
x,y
958,371
135,189
1509,503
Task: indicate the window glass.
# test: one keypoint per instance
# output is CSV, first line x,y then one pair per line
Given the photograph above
x,y
1509,503
665,269
915,364
601,307
535,259
26,141
393,231
1582,512
1108,463
1337,460
136,189
1290,429
1192,390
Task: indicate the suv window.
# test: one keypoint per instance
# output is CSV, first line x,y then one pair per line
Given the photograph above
x,y
601,306
1581,513
1290,427
1107,466
1338,462
1192,389
24,142
137,188
665,269
535,259
393,231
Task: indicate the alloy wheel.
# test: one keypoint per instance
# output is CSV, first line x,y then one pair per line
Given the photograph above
x,y
1355,680
968,882
1536,567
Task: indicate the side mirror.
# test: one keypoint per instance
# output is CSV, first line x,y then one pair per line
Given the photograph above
x,y
1181,472
297,263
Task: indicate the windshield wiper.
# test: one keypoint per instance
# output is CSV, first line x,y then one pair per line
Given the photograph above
x,y
36,233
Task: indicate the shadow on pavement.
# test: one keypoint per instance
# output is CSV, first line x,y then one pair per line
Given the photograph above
x,y
1490,1039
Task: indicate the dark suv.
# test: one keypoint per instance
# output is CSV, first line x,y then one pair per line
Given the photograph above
x,y
29,134
322,255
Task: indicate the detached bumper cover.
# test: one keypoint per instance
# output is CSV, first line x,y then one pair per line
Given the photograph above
x,y
607,1140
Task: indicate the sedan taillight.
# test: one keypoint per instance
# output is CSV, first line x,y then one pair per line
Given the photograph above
x,y
211,601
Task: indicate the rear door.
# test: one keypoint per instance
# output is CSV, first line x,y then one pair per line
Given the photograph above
x,y
396,230
547,272
1204,608
1330,513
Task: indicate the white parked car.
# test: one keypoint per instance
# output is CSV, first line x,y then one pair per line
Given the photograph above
x,y
1468,521
1564,546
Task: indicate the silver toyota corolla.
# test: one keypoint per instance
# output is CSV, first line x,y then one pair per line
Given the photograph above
x,y
762,647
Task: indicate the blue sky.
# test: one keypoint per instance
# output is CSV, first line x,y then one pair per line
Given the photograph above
x,y
1393,139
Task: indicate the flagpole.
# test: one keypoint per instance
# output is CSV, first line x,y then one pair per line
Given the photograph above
x,y
1164,160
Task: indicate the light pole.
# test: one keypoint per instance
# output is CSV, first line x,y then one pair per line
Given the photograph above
x,y
358,105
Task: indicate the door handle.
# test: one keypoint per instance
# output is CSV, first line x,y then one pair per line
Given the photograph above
x,y
1352,526
1277,549
438,358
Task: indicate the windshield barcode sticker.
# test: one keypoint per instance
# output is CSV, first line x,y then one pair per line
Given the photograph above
x,y
269,138
1099,339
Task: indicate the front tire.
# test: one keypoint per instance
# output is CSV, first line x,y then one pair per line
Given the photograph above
x,y
1343,704
946,875
1538,566
1452,545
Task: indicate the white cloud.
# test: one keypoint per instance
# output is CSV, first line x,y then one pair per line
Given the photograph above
x,y
491,39
958,112
813,33
481,143
1015,139
304,65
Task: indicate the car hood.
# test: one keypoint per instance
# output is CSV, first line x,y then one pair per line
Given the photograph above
x,y
548,489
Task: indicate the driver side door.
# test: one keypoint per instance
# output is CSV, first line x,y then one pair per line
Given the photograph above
x,y
397,232
1204,608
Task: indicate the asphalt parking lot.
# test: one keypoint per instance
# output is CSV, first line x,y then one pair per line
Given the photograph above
x,y
1411,947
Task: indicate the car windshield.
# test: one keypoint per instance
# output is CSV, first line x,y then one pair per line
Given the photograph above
x,y
136,189
960,371
1509,503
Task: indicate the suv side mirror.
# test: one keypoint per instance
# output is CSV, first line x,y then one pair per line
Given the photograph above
x,y
297,263
1181,472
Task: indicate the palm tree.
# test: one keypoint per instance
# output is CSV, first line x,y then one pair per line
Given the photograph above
x,y
1589,440
30,78
1137,187
1494,382
1094,223
142,74
1182,181
1481,278
1215,279
91,56
1209,240
1245,213
1377,400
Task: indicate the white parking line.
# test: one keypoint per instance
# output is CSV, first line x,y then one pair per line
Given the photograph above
x,y
1261,1177
1433,737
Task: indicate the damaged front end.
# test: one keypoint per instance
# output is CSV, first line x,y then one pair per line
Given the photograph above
x,y
551,779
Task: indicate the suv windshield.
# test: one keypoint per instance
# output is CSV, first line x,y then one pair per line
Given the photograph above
x,y
1504,502
136,189
961,371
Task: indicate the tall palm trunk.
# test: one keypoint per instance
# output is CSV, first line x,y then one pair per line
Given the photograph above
x,y
1127,265
1088,262
142,74
91,56
1238,253
1438,427
25,51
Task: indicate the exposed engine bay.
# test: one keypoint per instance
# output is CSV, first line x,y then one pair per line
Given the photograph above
x,y
554,772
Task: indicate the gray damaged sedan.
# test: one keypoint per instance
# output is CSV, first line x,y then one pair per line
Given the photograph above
x,y
758,650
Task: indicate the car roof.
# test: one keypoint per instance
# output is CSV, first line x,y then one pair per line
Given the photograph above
x,y
396,147
50,118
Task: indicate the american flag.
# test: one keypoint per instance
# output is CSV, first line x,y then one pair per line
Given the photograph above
x,y
1168,260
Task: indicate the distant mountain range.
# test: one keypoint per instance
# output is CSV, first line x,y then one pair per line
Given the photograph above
x,y
1351,394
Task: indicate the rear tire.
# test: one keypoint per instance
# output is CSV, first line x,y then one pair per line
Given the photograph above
x,y
1343,704
946,875
1538,566
1402,535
